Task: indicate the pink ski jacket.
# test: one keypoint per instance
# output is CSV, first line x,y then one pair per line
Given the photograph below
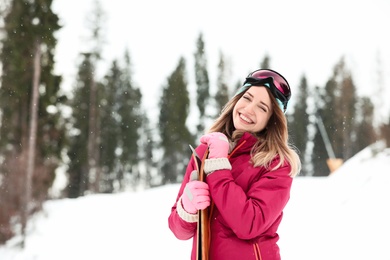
x,y
249,203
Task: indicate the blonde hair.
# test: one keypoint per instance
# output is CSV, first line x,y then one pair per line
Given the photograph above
x,y
271,141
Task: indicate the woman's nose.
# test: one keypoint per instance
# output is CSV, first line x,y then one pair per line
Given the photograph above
x,y
249,108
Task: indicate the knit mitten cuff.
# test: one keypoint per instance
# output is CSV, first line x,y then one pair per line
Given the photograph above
x,y
184,215
211,165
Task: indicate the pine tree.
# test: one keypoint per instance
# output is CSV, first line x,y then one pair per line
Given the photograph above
x,y
202,82
29,28
148,146
222,95
319,156
266,63
298,125
131,116
175,136
97,39
365,131
78,136
84,171
109,129
328,110
343,116
120,105
348,101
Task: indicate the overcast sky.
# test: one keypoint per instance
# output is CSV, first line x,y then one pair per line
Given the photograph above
x,y
301,37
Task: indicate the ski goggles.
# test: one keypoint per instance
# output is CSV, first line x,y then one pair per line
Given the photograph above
x,y
278,85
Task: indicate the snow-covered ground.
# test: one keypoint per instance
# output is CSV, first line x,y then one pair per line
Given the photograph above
x,y
341,217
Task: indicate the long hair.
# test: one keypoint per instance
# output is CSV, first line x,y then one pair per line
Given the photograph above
x,y
272,141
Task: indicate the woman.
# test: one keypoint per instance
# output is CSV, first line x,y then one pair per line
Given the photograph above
x,y
249,170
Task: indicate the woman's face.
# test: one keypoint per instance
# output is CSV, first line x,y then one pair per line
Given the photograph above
x,y
253,110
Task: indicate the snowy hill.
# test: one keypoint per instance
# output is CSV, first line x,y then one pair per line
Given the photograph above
x,y
344,216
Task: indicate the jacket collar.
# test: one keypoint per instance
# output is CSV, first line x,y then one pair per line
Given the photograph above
x,y
243,145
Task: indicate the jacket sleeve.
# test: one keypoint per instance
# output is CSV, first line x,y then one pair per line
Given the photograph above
x,y
183,229
252,213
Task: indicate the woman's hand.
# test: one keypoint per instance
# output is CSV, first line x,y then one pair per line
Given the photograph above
x,y
196,195
218,144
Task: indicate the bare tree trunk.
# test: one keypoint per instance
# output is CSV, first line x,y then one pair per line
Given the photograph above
x,y
32,138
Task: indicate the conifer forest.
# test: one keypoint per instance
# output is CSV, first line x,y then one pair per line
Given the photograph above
x,y
102,139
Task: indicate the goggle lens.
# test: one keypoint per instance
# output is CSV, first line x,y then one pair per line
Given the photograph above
x,y
276,82
279,81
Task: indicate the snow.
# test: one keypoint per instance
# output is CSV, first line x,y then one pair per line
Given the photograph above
x,y
343,216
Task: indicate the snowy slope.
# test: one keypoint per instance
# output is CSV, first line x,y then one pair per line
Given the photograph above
x,y
344,216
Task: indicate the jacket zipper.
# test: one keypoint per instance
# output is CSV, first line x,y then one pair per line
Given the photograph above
x,y
256,248
236,148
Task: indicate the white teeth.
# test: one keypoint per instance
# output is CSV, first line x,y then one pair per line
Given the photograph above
x,y
245,119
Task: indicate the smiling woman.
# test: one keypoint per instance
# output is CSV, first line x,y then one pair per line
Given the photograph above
x,y
249,169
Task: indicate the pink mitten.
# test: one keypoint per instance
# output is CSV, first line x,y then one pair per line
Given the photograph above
x,y
218,144
196,195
